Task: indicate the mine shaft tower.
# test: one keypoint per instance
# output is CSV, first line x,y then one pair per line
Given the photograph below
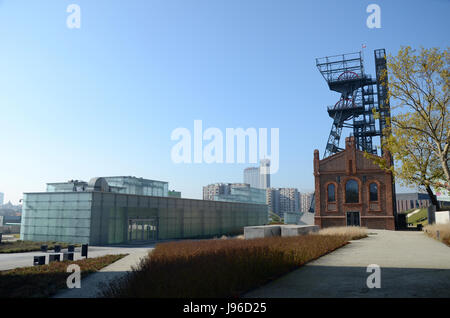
x,y
360,96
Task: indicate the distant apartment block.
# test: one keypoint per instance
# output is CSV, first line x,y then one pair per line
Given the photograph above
x,y
2,198
289,200
305,201
258,177
211,190
283,200
273,200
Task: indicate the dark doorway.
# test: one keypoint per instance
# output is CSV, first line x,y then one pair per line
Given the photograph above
x,y
142,230
353,219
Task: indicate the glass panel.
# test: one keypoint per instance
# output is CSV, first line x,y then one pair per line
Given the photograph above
x,y
331,193
351,192
373,190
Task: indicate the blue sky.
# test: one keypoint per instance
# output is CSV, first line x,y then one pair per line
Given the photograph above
x,y
103,100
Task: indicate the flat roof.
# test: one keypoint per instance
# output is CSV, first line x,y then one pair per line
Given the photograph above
x,y
140,195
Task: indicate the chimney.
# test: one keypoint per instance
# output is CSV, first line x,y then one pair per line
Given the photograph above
x,y
350,149
349,142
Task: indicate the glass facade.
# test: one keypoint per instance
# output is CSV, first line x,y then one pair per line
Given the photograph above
x,y
102,218
373,191
59,216
138,186
67,186
351,192
243,194
331,193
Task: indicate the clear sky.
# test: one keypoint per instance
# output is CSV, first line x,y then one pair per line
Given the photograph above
x,y
103,100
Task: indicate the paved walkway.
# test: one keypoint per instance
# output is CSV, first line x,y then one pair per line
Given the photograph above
x,y
9,238
413,212
14,260
412,265
91,286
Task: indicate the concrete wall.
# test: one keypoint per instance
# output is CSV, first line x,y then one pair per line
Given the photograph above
x,y
292,217
442,217
296,230
252,232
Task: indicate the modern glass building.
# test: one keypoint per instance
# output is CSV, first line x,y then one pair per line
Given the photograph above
x,y
139,186
104,214
245,194
174,194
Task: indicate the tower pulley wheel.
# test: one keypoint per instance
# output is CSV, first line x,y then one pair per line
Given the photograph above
x,y
344,103
347,75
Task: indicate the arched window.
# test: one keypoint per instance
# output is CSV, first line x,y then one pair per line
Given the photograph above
x,y
351,191
373,192
331,189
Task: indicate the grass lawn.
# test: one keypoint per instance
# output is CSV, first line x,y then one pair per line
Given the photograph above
x,y
46,280
418,218
28,246
220,268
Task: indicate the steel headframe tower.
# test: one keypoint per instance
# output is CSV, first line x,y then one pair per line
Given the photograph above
x,y
360,96
384,107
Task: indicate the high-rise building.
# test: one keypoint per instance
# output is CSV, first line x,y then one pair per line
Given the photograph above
x,y
251,176
258,177
264,174
305,201
273,200
281,200
289,200
2,198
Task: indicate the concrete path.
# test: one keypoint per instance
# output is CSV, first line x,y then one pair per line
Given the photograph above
x,y
9,238
91,285
412,265
413,212
14,260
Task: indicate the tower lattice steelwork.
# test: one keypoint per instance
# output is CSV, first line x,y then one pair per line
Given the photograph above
x,y
360,96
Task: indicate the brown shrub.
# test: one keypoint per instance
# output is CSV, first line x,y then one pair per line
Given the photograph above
x,y
45,280
219,268
444,232
350,232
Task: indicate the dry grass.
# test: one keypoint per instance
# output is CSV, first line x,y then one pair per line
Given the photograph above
x,y
46,280
219,268
444,232
350,232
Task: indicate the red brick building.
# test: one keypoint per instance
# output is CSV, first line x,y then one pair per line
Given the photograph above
x,y
351,190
